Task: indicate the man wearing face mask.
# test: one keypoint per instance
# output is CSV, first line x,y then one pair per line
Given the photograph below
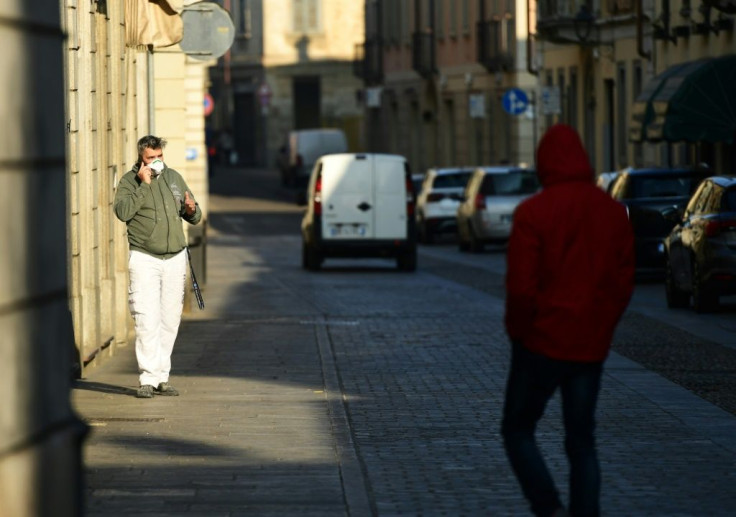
x,y
152,199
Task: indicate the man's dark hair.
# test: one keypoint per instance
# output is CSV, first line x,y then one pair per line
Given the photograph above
x,y
150,142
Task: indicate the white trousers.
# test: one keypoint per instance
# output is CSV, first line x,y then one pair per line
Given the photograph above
x,y
156,300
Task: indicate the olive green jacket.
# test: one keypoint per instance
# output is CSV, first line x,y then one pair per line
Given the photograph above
x,y
153,213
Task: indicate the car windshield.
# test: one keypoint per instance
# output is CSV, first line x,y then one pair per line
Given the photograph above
x,y
663,186
729,200
458,179
512,183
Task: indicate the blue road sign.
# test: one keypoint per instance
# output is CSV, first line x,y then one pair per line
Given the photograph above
x,y
515,101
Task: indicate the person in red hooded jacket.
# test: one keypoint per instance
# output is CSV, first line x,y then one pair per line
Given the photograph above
x,y
570,276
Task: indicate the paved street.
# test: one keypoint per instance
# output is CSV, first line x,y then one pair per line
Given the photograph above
x,y
361,390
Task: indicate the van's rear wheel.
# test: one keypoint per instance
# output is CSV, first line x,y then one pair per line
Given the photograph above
x,y
311,258
407,261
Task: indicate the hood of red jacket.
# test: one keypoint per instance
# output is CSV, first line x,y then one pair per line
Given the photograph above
x,y
561,157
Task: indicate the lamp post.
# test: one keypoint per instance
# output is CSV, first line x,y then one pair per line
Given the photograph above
x,y
583,23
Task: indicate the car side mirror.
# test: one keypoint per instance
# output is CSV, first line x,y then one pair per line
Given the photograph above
x,y
673,214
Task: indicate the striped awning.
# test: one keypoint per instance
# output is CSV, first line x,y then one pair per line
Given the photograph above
x,y
155,23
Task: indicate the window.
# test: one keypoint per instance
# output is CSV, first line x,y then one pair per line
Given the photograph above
x,y
572,102
662,186
513,183
699,207
636,87
622,121
562,117
245,19
439,18
728,201
713,203
466,17
405,19
306,16
459,179
452,31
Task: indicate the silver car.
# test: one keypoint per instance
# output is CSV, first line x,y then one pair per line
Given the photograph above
x,y
491,196
438,200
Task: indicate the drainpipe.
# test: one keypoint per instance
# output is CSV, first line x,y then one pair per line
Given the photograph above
x,y
640,31
151,93
529,65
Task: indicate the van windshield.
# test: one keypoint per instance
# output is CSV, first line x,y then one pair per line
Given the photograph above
x,y
458,180
512,183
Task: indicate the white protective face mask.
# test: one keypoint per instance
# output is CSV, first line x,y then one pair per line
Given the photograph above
x,y
156,166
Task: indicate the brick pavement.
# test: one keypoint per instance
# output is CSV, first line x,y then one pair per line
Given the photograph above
x,y
359,391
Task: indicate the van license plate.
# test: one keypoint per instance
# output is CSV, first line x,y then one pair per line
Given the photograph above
x,y
347,230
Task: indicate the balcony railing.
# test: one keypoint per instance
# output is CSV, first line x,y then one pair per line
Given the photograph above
x,y
558,9
368,61
570,21
495,42
423,53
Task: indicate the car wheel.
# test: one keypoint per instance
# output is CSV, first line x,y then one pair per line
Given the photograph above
x,y
676,298
311,258
703,298
476,245
407,261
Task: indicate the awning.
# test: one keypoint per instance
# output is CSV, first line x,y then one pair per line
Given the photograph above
x,y
153,22
694,102
642,112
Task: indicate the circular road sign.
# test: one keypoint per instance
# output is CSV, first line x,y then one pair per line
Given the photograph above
x,y
208,31
515,101
209,104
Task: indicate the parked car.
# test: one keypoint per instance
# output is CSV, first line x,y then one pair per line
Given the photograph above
x,y
416,184
605,180
438,200
701,250
654,198
360,205
490,198
301,150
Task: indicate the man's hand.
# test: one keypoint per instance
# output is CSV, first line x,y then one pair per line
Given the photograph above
x,y
144,173
189,205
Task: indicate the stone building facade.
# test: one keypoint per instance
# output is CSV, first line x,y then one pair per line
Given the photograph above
x,y
606,58
83,94
436,72
308,48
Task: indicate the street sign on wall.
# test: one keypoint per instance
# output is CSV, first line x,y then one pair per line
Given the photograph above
x,y
515,101
477,105
551,100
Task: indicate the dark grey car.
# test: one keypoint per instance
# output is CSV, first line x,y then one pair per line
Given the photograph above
x,y
701,249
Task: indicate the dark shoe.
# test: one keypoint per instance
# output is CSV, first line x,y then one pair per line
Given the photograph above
x,y
145,392
166,389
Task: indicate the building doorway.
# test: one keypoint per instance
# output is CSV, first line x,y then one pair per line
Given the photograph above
x,y
245,130
307,94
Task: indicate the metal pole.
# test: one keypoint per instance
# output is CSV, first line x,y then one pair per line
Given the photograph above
x,y
151,94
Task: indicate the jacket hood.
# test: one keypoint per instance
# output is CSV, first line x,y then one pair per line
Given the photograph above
x,y
561,157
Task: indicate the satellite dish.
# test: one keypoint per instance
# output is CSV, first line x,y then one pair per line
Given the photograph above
x,y
208,31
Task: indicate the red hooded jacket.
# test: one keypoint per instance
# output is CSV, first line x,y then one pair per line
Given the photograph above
x,y
570,259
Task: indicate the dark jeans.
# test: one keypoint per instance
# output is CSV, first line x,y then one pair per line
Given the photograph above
x,y
533,379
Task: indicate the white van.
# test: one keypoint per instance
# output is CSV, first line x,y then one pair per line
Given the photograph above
x,y
303,148
360,205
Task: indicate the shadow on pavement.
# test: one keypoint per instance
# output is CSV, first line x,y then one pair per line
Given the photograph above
x,y
103,388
